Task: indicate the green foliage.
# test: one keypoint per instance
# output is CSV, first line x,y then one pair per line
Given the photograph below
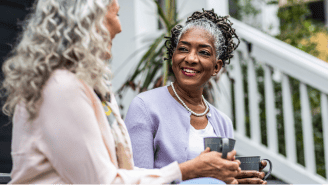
x,y
296,28
244,8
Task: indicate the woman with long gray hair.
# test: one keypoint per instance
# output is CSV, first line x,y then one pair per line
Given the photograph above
x,y
66,122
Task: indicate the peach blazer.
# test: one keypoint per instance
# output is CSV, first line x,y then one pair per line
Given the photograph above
x,y
70,141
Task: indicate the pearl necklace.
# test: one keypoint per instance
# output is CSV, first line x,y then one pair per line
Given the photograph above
x,y
183,103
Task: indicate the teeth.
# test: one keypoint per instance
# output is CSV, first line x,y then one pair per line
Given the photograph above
x,y
189,71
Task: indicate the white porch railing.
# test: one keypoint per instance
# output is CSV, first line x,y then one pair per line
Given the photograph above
x,y
259,48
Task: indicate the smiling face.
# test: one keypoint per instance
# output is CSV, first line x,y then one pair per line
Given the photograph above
x,y
194,60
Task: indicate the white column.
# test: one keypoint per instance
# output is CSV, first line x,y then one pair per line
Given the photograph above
x,y
138,19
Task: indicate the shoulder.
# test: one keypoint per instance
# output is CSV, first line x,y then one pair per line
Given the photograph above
x,y
148,98
63,83
147,105
153,94
152,97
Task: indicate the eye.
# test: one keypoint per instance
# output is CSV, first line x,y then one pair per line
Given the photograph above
x,y
118,14
204,52
182,49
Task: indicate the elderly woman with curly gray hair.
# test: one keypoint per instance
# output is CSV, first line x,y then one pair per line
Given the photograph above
x,y
66,122
170,123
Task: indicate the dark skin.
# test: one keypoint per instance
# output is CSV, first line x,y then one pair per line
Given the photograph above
x,y
194,62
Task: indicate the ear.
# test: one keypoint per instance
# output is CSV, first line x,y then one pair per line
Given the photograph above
x,y
217,67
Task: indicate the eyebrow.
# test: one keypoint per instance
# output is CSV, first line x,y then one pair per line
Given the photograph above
x,y
201,45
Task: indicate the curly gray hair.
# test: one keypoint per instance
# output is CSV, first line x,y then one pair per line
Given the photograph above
x,y
68,34
212,29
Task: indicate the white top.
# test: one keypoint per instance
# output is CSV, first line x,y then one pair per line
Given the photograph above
x,y
70,142
196,140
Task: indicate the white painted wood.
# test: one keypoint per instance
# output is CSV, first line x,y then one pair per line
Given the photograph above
x,y
324,115
222,91
253,99
270,110
307,129
238,94
288,119
284,57
283,169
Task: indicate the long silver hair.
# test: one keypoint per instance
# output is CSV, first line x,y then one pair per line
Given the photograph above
x,y
69,34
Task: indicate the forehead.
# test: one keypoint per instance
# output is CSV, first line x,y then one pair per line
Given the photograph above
x,y
197,36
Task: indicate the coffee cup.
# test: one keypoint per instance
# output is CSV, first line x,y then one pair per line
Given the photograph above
x,y
253,163
219,144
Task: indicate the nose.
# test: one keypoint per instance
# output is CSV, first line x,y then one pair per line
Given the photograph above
x,y
192,57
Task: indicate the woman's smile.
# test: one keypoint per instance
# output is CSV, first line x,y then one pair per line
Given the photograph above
x,y
189,71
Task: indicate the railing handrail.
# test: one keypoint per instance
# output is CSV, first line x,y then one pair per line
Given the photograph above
x,y
314,70
4,174
260,48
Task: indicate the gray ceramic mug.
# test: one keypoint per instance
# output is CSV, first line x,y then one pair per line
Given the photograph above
x,y
253,163
219,144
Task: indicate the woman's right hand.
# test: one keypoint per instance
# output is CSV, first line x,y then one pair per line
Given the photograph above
x,y
210,164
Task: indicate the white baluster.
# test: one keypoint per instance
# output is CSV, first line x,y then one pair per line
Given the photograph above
x,y
324,115
309,156
288,119
253,98
239,95
270,111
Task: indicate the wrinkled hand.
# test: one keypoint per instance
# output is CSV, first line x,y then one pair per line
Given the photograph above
x,y
210,164
250,177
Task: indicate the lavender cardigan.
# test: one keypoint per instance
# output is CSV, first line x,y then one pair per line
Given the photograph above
x,y
159,128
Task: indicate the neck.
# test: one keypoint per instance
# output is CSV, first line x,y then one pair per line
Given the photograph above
x,y
192,95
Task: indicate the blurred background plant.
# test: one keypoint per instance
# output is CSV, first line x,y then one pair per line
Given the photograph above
x,y
152,70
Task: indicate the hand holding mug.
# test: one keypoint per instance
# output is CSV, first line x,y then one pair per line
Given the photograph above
x,y
251,170
211,164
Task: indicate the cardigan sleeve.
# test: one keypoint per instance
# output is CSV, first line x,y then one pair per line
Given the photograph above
x,y
73,144
140,129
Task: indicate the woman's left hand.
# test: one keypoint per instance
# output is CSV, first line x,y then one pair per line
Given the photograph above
x,y
250,177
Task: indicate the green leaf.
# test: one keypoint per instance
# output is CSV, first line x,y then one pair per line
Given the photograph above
x,y
162,16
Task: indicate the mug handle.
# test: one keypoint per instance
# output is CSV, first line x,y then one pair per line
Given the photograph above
x,y
270,170
225,147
